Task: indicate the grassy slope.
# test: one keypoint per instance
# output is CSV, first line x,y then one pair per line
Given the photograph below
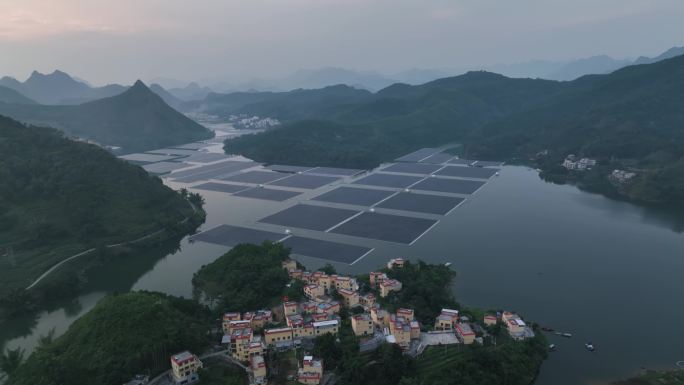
x,y
136,120
59,197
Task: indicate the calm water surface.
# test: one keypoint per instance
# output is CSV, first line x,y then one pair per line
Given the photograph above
x,y
606,271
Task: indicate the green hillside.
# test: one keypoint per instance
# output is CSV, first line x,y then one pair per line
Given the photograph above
x,y
136,120
630,119
59,197
396,120
8,95
121,336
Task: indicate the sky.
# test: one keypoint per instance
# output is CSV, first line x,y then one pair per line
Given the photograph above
x,y
107,41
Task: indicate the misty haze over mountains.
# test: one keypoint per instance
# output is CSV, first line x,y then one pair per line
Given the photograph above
x,y
61,88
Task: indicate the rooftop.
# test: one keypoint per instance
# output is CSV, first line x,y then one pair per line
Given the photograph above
x,y
325,323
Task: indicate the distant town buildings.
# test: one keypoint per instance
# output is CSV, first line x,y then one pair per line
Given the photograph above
x,y
252,122
571,163
622,176
184,368
362,324
258,366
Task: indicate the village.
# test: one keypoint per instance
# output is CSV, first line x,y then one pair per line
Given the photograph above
x,y
248,337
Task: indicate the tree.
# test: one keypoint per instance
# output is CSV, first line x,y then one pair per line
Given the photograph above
x,y
10,360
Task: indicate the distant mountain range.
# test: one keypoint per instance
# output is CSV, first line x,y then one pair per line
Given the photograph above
x,y
9,95
59,88
136,120
570,70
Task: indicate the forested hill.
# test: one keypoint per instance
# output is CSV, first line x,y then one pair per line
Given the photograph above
x,y
123,335
630,119
59,197
136,120
9,95
395,121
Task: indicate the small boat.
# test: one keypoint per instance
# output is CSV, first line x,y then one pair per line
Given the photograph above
x,y
566,335
590,347
552,347
447,264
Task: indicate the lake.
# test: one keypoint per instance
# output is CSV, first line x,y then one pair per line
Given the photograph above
x,y
606,271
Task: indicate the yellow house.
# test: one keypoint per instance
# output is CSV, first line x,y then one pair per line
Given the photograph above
x,y
389,285
326,327
514,323
362,324
258,366
311,371
290,308
305,330
465,333
342,282
376,278
351,298
367,300
490,320
227,318
240,340
395,262
184,367
278,335
405,313
446,320
314,291
379,316
415,330
401,332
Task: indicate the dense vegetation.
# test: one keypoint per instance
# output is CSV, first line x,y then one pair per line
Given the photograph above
x,y
426,289
247,278
123,335
59,197
136,120
630,119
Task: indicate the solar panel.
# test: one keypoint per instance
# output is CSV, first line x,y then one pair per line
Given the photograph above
x,y
466,162
286,168
418,155
305,181
147,158
421,203
227,235
330,251
412,168
172,151
388,180
385,227
268,194
488,163
438,158
467,172
453,186
211,171
163,167
309,217
256,177
220,187
354,196
335,171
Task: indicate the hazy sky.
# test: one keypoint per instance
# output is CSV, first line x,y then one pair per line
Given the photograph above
x,y
122,40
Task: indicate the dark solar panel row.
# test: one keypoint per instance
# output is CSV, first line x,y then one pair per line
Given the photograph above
x,y
418,155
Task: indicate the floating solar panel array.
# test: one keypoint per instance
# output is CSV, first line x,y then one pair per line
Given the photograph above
x,y
147,158
398,204
213,171
160,168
